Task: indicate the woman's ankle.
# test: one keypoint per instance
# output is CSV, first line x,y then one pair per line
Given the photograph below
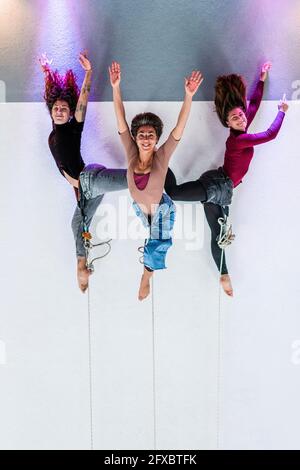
x,y
81,262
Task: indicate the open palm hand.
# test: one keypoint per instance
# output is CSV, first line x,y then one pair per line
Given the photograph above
x,y
115,74
45,62
84,61
193,82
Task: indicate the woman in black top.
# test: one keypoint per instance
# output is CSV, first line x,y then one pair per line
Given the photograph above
x,y
67,107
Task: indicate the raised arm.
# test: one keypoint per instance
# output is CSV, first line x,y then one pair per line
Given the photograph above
x,y
45,63
192,84
249,140
256,97
81,107
115,80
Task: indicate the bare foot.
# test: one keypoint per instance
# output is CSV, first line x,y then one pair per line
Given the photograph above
x,y
83,275
144,290
226,284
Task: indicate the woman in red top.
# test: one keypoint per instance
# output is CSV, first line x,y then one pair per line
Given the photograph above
x,y
214,187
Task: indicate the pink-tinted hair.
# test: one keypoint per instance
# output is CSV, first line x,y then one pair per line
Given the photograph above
x,y
61,87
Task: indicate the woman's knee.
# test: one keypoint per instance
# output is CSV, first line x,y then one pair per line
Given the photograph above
x,y
94,167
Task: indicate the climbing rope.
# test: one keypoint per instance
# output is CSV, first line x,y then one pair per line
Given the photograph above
x,y
90,372
225,238
141,250
153,368
88,245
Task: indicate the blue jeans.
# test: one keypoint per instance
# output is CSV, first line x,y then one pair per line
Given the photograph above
x,y
160,241
94,181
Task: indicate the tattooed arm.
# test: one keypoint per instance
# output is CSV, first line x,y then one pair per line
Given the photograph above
x,y
85,89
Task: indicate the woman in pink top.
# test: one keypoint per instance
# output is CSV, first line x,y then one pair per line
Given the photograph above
x,y
147,168
214,188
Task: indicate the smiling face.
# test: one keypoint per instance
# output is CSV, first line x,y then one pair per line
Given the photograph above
x,y
60,112
237,119
146,139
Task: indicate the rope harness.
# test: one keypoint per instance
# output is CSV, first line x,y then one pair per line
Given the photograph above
x,y
88,246
141,250
226,237
87,236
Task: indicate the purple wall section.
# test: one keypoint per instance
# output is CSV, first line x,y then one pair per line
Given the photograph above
x,y
157,42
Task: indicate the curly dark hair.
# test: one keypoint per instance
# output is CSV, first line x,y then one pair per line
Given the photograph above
x,y
146,119
230,93
61,87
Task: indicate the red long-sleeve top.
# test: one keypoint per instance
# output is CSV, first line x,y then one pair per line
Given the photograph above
x,y
239,145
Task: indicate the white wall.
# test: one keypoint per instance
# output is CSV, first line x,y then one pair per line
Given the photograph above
x,y
44,317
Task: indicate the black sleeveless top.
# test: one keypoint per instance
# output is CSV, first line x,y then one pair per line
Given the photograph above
x,y
64,143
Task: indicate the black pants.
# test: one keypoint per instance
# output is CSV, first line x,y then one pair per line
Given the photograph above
x,y
194,191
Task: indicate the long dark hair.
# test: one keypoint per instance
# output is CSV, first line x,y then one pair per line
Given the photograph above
x,y
61,87
146,119
230,93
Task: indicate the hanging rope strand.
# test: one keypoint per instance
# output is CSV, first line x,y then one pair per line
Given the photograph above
x,y
90,372
219,359
223,241
88,245
91,263
153,368
225,238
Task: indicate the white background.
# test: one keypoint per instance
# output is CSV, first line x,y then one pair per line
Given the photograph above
x,y
44,375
